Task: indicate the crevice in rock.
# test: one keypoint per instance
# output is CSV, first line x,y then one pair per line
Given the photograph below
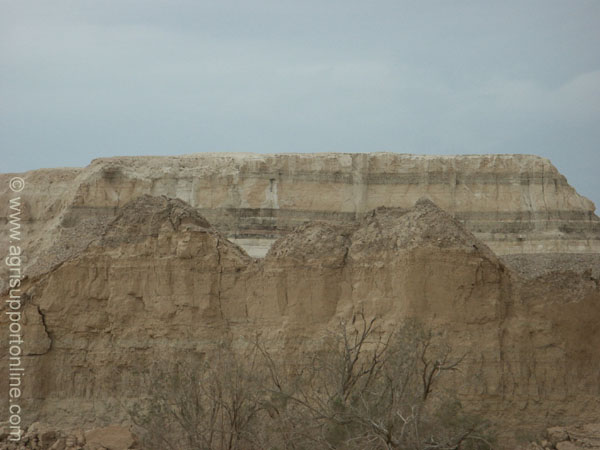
x,y
45,326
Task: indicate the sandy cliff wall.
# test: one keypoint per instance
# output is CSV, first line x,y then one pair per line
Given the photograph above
x,y
118,275
514,203
160,282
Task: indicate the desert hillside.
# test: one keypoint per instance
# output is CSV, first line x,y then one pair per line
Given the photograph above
x,y
130,261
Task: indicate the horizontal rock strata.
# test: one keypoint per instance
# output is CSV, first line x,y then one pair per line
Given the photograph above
x,y
159,282
516,204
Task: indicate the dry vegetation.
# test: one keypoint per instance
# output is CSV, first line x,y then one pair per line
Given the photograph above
x,y
364,390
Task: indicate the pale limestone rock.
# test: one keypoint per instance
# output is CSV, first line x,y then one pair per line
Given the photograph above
x,y
557,434
566,445
113,437
533,446
71,441
575,436
516,204
60,444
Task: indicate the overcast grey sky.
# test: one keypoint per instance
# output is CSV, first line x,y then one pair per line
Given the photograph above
x,y
81,79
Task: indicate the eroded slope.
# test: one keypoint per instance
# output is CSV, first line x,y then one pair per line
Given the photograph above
x,y
160,282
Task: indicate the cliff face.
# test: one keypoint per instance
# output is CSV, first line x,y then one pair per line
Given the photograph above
x,y
516,204
157,281
132,260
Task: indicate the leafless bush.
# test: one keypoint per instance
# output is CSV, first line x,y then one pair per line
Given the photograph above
x,y
203,405
373,390
363,389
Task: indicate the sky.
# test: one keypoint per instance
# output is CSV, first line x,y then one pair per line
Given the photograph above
x,y
82,79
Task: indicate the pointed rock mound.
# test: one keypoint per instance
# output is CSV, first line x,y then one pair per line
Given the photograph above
x,y
314,243
145,217
381,231
424,225
162,226
148,216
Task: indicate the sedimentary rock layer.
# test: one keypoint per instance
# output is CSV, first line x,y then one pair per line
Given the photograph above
x,y
516,204
160,282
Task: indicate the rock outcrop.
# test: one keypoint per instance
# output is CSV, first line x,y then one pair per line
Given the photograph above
x,y
516,204
586,436
40,436
159,282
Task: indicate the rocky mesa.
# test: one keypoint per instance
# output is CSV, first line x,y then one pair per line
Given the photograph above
x,y
516,204
133,260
